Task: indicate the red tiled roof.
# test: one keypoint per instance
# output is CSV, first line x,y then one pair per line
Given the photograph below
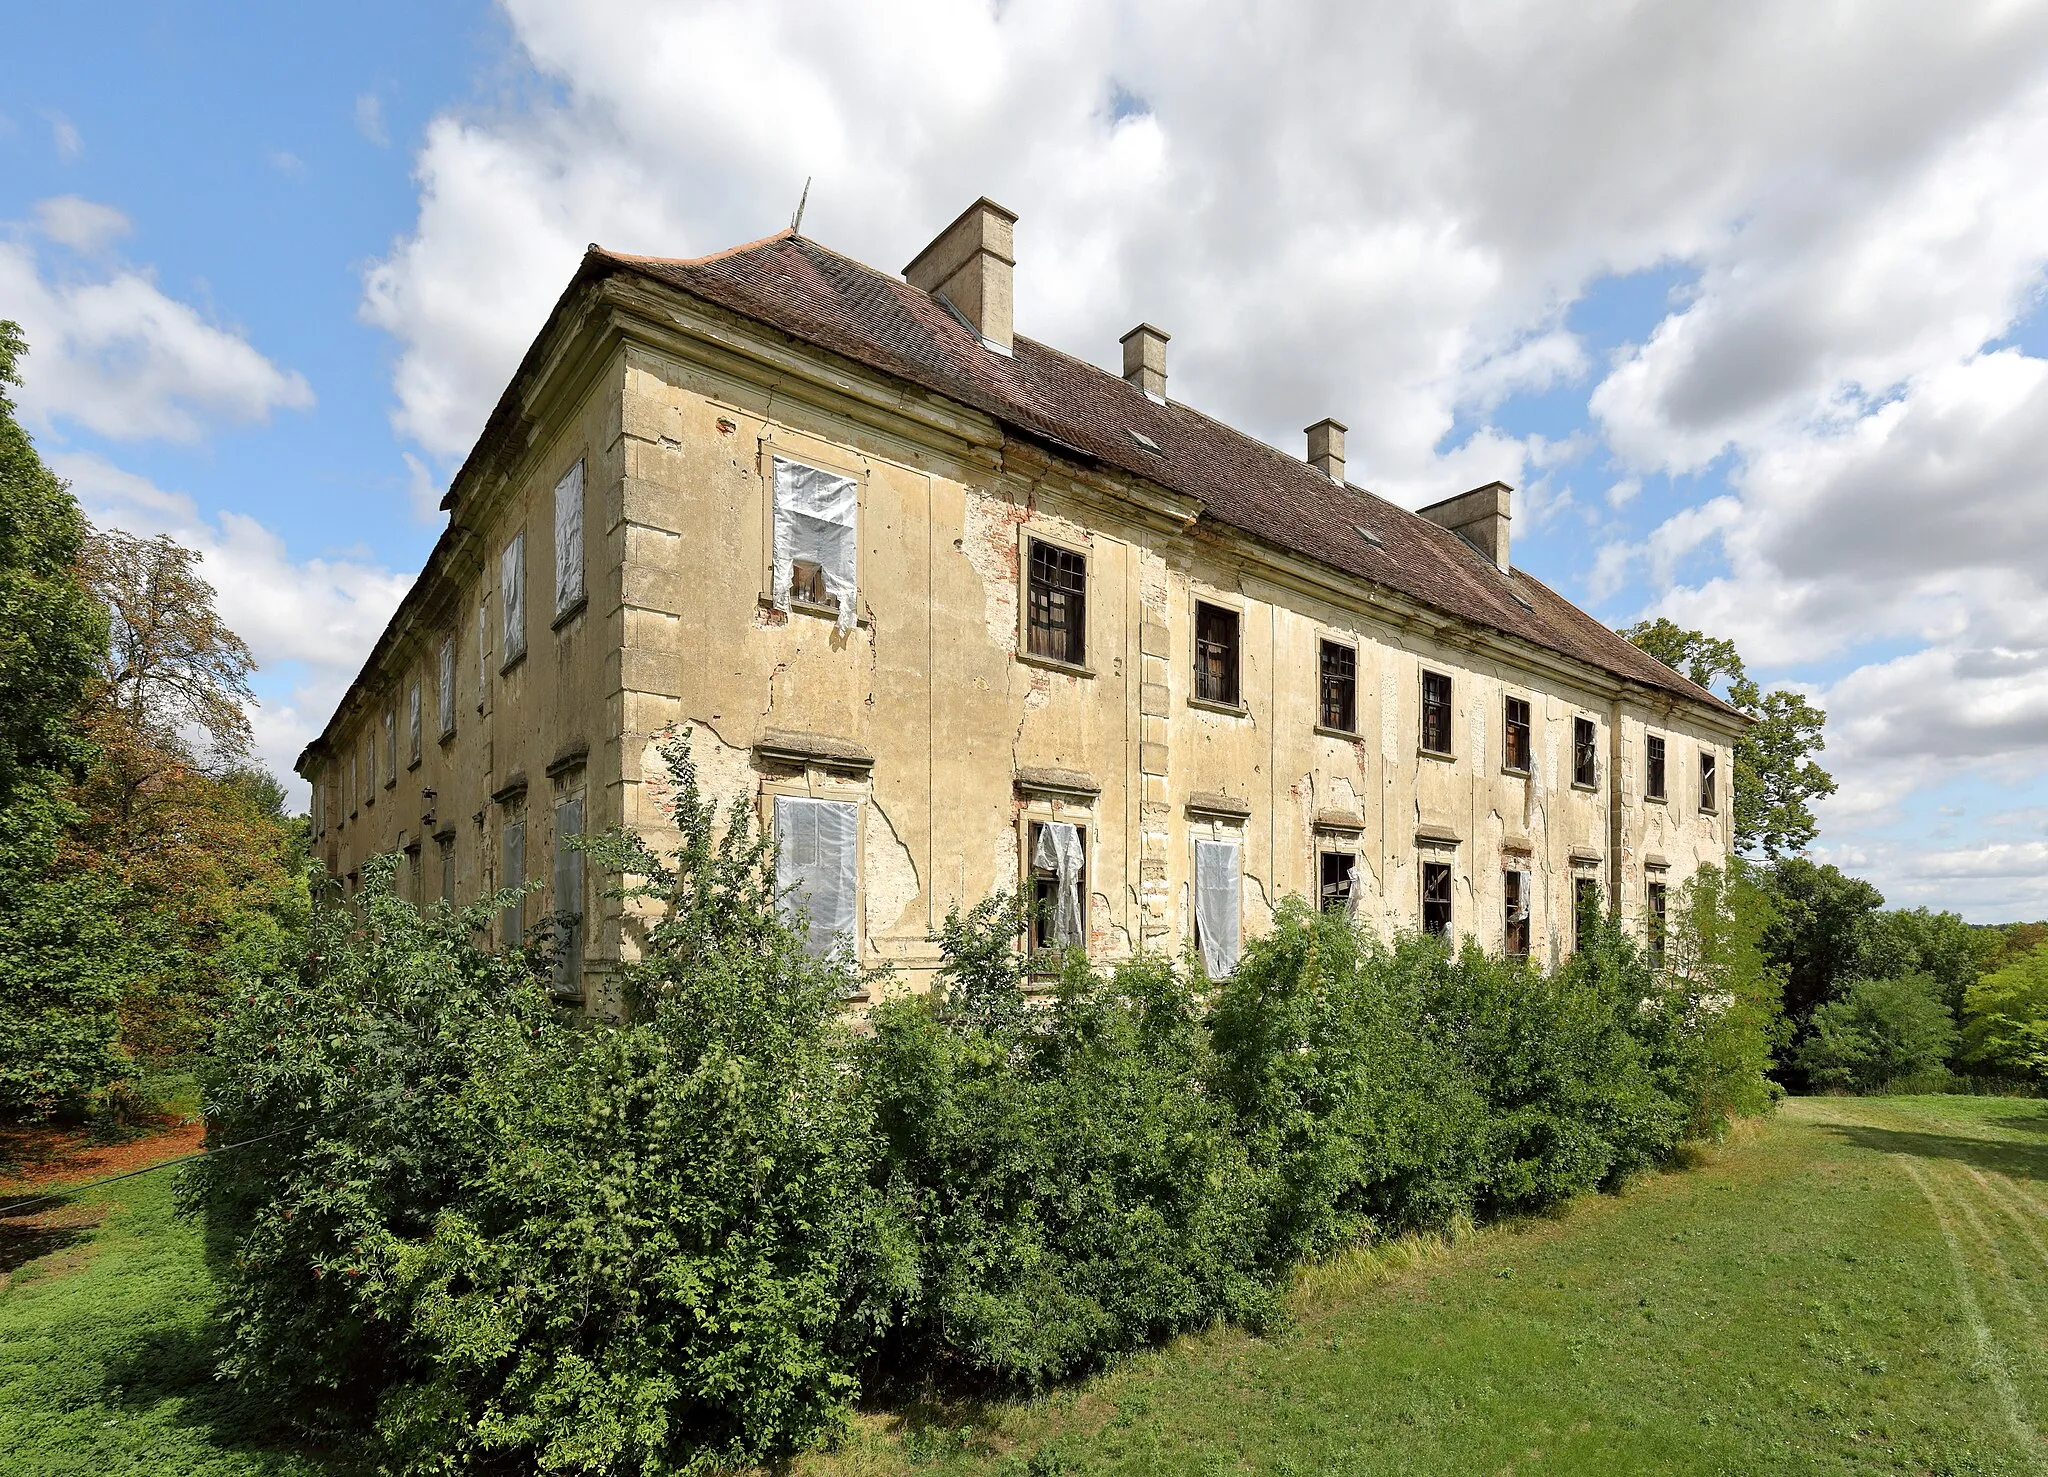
x,y
839,304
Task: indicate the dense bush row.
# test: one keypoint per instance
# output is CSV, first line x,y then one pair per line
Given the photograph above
x,y
485,1235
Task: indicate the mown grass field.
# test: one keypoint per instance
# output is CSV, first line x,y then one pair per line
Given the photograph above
x,y
1853,1286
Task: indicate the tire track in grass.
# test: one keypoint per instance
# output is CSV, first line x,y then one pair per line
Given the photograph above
x,y
1989,1351
2017,1214
2000,1274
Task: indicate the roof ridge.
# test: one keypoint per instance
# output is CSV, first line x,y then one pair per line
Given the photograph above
x,y
787,233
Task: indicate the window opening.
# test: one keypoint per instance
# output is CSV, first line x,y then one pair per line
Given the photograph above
x,y
1515,735
1059,916
1515,891
370,769
1585,753
1707,778
447,847
390,747
1659,898
354,786
1339,890
412,723
512,596
483,651
1217,896
814,539
816,868
512,921
1339,664
569,540
445,688
1436,712
1587,905
1436,899
1216,654
568,898
412,876
1058,605
1653,752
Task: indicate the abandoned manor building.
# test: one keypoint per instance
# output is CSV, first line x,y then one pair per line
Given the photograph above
x,y
957,612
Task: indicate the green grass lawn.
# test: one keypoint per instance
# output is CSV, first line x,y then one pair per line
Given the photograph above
x,y
1854,1286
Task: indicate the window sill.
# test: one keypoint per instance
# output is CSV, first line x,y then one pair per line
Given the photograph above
x,y
1514,773
1349,735
1656,799
805,607
511,662
563,617
1054,664
1442,756
447,737
414,764
1585,789
1710,810
1210,705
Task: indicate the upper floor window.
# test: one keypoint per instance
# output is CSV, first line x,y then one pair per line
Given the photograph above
x,y
412,724
1059,886
1216,654
1436,713
390,747
512,596
1057,604
815,513
1515,735
1436,899
445,690
1709,797
569,541
1653,765
1339,673
370,768
1585,754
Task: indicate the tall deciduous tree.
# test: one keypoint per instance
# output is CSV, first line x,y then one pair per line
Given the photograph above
x,y
1776,775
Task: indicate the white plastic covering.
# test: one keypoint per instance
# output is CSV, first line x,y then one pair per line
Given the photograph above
x,y
1059,852
569,539
1216,905
512,595
1522,889
816,866
483,652
511,926
446,689
390,745
814,520
412,722
569,897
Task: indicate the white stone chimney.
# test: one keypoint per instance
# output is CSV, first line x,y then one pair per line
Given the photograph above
x,y
1326,448
1145,360
971,265
1479,517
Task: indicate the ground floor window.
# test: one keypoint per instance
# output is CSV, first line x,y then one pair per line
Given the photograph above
x,y
511,922
1436,899
1514,890
447,849
1339,881
1587,906
1659,898
568,898
817,868
1059,886
1217,893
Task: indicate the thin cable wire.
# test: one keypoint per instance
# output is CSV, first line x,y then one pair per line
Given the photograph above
x,y
70,1190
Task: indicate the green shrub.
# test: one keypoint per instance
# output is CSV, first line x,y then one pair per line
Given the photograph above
x,y
1878,1032
493,1237
1071,1190
2005,1019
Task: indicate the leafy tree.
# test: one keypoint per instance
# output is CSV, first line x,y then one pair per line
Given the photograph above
x,y
2005,1018
1823,921
1942,946
1877,1033
1776,776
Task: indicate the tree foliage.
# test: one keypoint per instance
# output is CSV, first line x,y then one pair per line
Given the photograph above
x,y
2005,1019
1776,776
1879,1033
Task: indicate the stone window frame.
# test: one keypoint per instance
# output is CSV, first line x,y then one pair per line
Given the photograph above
x,y
1236,604
1081,544
1035,807
796,446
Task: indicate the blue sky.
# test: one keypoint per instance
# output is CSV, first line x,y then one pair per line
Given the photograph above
x,y
1765,356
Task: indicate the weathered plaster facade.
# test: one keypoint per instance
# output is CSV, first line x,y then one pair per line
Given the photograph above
x,y
929,712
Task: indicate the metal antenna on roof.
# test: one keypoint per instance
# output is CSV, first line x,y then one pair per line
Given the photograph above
x,y
796,222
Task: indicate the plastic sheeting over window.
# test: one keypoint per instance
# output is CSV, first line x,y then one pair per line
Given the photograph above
x,y
412,723
1217,891
568,898
446,691
814,539
512,595
816,867
511,922
569,539
1059,852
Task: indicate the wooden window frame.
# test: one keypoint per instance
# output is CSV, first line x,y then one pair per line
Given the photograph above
x,y
1710,782
1033,541
1450,715
1589,750
1232,700
1430,869
1656,768
1508,728
1325,647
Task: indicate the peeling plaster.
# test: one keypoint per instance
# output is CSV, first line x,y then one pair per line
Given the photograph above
x,y
891,886
990,544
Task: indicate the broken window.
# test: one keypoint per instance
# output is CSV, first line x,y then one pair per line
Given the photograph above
x,y
1585,753
412,723
512,922
1216,655
1216,906
814,539
447,848
1514,891
412,875
817,868
1659,897
1436,713
1058,605
1587,905
1515,735
512,596
1708,797
568,898
1339,671
1059,886
1653,756
1436,899
569,541
1339,880
445,692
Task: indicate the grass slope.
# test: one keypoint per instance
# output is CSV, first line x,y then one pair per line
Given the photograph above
x,y
1855,1286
